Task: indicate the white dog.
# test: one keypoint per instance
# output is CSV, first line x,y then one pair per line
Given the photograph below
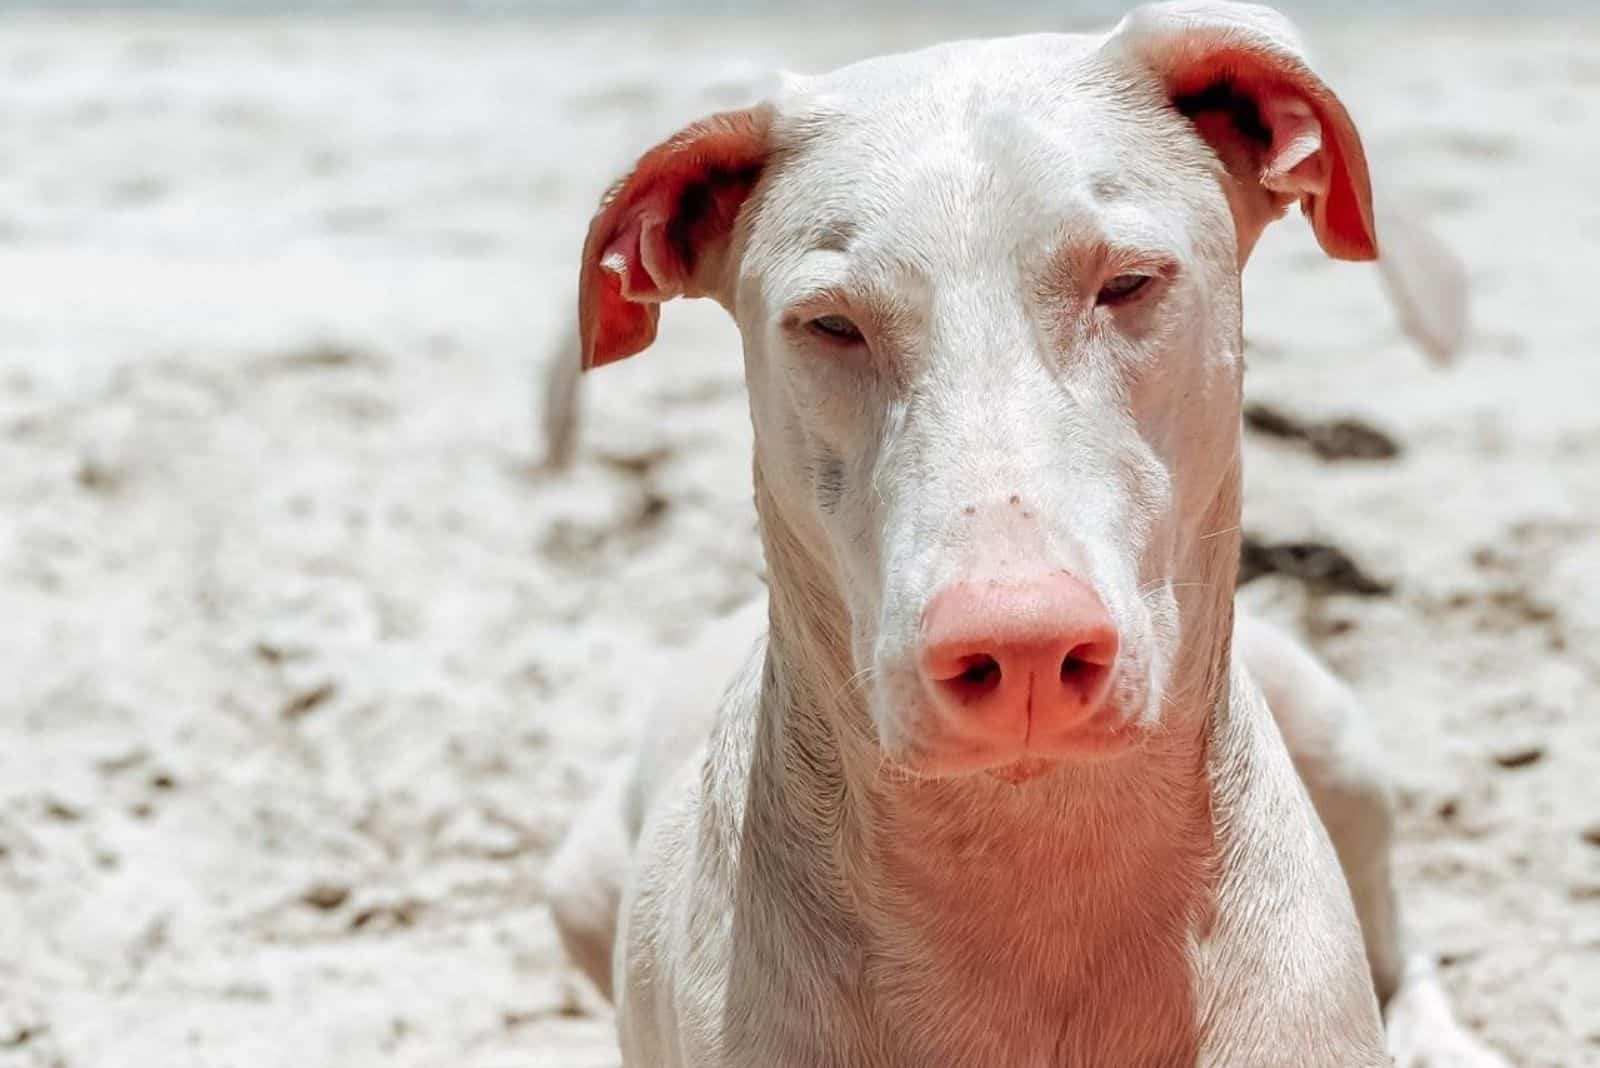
x,y
999,787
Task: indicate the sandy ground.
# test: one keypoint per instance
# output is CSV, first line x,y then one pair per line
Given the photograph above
x,y
310,664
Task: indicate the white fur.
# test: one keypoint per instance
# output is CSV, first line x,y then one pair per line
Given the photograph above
x,y
802,873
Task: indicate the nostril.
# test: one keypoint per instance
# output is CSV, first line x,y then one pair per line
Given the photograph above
x,y
1086,669
981,670
978,677
1001,652
1074,667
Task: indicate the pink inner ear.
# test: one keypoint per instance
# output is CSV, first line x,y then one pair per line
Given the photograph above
x,y
639,254
635,273
1296,164
630,261
1314,154
619,297
611,325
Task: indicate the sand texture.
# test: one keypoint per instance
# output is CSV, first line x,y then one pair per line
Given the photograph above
x,y
309,663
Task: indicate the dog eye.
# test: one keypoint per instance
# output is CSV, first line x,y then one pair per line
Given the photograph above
x,y
1122,288
836,328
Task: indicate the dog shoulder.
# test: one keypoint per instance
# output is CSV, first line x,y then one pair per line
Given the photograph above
x,y
680,901
1282,972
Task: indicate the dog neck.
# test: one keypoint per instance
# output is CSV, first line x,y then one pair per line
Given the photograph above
x,y
1094,879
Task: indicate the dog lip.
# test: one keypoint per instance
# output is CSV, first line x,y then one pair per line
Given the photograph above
x,y
1091,740
1020,771
953,754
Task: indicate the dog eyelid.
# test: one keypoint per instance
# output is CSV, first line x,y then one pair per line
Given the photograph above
x,y
837,328
1130,278
1122,288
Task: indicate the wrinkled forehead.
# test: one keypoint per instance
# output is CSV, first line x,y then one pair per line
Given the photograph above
x,y
981,148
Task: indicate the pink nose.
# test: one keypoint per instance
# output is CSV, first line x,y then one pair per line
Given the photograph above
x,y
1018,660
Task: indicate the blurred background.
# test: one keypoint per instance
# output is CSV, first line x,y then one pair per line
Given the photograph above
x,y
310,656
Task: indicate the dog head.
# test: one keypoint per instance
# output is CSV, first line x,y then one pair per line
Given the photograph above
x,y
989,300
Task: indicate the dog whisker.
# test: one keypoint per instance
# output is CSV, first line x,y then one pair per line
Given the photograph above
x,y
854,684
1158,585
1220,533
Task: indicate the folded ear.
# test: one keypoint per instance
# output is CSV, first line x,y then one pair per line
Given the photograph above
x,y
1426,282
1237,70
663,230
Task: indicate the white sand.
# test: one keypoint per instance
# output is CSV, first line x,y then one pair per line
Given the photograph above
x,y
285,603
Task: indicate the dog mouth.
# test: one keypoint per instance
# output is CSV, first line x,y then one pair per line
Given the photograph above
x,y
1021,771
939,751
